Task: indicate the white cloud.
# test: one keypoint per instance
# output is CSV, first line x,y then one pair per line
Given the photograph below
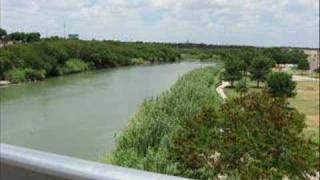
x,y
256,22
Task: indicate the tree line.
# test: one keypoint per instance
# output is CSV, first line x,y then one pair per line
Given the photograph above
x,y
19,36
257,63
55,57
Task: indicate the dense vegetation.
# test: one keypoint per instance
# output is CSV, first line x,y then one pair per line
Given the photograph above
x,y
148,139
55,57
280,84
188,132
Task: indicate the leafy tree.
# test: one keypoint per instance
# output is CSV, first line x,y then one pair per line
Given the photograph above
x,y
303,64
30,37
246,56
16,36
252,137
280,84
241,87
3,33
295,55
280,56
259,68
233,69
24,37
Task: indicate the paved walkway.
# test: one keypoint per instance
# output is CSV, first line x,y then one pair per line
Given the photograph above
x,y
220,89
303,78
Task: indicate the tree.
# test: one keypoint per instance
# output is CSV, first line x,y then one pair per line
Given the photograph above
x,y
279,55
259,68
295,55
251,137
280,84
16,36
241,87
30,37
3,33
233,69
303,64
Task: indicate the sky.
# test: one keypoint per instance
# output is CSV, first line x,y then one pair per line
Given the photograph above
x,y
239,22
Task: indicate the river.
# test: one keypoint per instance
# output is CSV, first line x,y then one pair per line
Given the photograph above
x,y
79,115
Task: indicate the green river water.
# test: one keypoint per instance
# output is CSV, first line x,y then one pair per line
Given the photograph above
x,y
79,115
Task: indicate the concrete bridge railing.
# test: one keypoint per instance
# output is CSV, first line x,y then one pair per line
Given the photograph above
x,y
22,163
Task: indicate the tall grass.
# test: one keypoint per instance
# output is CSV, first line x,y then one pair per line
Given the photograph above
x,y
144,144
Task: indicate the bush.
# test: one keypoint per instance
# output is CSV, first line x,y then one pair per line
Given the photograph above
x,y
241,86
251,137
303,64
74,66
280,84
137,61
35,74
15,75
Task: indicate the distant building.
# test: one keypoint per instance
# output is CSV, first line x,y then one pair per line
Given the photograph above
x,y
73,36
313,58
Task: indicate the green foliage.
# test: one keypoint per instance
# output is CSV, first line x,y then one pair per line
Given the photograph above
x,y
264,139
285,56
137,61
146,141
35,74
280,84
3,32
24,37
233,69
52,55
297,55
241,87
15,75
252,137
75,66
303,64
259,68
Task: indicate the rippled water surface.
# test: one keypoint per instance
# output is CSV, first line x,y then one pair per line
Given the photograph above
x,y
79,115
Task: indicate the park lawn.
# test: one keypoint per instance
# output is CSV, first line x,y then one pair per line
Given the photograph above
x,y
252,87
306,101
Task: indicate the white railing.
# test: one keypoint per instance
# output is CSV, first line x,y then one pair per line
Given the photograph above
x,y
22,163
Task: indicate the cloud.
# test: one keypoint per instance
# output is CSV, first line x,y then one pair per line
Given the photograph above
x,y
252,22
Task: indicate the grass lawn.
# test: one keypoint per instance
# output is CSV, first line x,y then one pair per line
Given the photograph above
x,y
306,101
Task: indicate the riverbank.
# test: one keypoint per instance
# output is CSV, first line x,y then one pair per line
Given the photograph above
x,y
189,132
146,141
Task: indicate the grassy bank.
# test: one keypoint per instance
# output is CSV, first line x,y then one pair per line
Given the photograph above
x,y
146,141
56,57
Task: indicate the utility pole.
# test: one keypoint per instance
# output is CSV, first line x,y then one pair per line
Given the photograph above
x,y
64,30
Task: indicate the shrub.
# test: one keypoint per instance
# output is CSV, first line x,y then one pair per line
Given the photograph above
x,y
137,61
303,64
74,66
280,84
35,74
15,75
241,87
